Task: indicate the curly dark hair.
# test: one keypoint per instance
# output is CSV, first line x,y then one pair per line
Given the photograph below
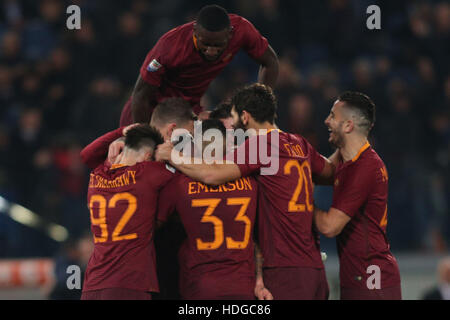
x,y
258,100
222,111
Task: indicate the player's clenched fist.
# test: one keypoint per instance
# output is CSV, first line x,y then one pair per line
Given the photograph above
x,y
163,151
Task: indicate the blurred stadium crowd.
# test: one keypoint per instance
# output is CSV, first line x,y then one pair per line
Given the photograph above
x,y
60,89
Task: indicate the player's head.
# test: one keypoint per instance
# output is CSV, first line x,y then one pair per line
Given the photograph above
x,y
253,105
173,113
353,113
212,32
217,125
140,143
223,113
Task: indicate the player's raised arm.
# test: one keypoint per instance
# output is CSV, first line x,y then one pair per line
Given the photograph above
x,y
95,153
268,70
143,98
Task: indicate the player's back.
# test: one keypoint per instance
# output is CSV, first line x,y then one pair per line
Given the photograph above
x,y
122,201
217,258
286,200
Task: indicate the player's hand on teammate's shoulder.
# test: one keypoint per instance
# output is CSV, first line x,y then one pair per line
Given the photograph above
x,y
115,149
262,293
117,146
163,151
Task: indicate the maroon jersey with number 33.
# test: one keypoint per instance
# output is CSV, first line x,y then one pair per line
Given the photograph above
x,y
217,258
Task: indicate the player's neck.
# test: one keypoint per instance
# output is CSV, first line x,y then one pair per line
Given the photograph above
x,y
352,147
263,126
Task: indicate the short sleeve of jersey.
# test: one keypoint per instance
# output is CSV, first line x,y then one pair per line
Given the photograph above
x,y
166,203
246,158
254,43
351,190
317,160
156,62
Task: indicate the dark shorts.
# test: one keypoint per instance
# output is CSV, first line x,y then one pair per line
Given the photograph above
x,y
116,294
393,293
296,283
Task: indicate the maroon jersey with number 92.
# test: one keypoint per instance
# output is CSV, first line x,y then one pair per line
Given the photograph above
x,y
122,202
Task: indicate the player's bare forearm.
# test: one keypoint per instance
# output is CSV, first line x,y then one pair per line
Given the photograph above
x,y
268,70
143,100
258,265
261,292
95,153
330,223
213,174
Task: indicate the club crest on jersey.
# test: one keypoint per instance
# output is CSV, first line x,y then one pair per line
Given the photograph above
x,y
153,66
336,182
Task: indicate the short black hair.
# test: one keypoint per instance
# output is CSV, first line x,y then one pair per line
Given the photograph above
x,y
175,110
213,18
222,111
214,124
258,100
143,135
361,103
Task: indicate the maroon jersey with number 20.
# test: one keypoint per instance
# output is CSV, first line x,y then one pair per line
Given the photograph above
x,y
285,198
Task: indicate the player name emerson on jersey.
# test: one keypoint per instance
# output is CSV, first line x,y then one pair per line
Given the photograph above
x,y
186,309
239,184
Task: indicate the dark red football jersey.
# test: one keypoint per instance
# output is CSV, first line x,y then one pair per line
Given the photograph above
x,y
285,197
176,67
217,257
361,192
122,201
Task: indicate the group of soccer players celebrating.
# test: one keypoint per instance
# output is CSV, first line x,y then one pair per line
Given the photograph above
x,y
250,232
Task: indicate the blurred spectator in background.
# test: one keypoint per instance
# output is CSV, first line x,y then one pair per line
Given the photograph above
x,y
442,290
76,253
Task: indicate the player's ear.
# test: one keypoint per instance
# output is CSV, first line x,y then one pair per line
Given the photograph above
x,y
349,126
170,128
245,117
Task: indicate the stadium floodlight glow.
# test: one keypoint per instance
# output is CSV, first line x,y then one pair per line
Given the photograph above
x,y
4,204
57,233
24,216
31,219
